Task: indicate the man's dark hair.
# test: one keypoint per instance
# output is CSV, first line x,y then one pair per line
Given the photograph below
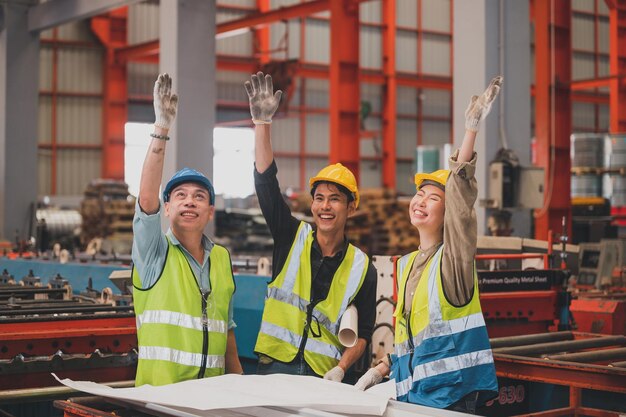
x,y
340,187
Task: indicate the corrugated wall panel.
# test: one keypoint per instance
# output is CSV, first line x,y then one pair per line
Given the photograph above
x,y
406,51
239,45
603,66
286,134
603,8
230,86
436,15
294,100
288,173
371,11
603,36
80,70
140,113
436,103
44,187
406,13
75,169
317,134
373,94
230,115
370,174
584,5
141,78
583,116
406,138
275,4
241,3
143,23
372,146
45,67
583,66
435,133
582,32
406,101
436,54
312,167
79,120
317,95
285,35
317,41
77,31
44,131
370,44
603,119
405,172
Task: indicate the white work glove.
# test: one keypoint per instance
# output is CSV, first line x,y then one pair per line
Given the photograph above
x,y
263,100
336,374
369,379
479,107
165,103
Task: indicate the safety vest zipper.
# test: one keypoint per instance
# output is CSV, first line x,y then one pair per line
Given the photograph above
x,y
309,314
205,333
407,323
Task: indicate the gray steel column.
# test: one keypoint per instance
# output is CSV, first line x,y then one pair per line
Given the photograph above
x,y
187,53
19,97
477,46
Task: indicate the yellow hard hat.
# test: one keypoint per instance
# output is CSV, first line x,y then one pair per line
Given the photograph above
x,y
338,174
439,177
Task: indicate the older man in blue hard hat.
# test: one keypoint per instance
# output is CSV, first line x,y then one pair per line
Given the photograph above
x,y
183,281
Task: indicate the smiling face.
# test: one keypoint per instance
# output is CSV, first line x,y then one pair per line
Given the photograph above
x,y
427,209
330,208
189,208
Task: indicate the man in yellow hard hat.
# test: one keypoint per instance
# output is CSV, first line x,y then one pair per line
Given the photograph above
x,y
317,273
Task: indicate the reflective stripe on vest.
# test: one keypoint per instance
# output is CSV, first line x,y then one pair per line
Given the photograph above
x,y
179,319
180,357
456,326
294,261
295,339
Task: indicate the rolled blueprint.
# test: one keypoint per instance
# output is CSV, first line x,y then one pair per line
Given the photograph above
x,y
348,327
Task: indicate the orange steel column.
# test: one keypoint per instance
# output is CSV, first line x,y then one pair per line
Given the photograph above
x,y
344,84
111,30
389,94
553,110
617,65
262,35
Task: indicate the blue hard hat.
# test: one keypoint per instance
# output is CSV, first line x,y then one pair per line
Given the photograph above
x,y
188,175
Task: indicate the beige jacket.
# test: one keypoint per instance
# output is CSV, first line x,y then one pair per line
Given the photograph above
x,y
459,236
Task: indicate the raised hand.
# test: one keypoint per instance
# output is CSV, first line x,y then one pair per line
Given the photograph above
x,y
263,100
480,106
165,103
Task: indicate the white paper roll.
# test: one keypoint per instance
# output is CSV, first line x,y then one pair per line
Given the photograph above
x,y
348,327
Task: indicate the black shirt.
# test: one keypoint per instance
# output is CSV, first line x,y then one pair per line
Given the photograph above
x,y
284,227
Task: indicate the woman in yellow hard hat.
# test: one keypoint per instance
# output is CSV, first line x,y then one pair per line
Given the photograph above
x,y
317,273
442,354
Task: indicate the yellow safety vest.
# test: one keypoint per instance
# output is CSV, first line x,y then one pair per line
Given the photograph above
x,y
443,352
284,323
179,338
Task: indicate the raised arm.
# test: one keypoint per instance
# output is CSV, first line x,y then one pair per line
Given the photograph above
x,y
477,110
263,104
165,105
